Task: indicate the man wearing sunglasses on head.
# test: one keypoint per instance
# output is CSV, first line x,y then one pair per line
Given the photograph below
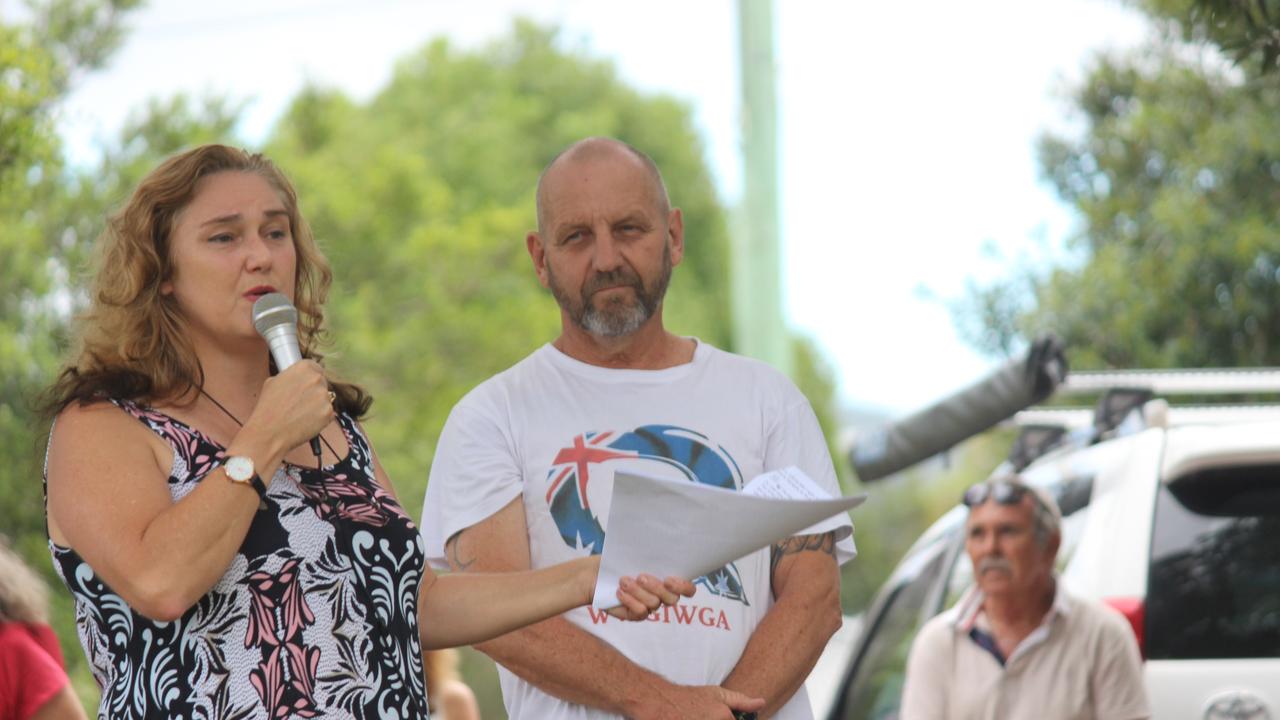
x,y
1017,645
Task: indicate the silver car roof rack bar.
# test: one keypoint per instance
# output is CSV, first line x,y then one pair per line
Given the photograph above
x,y
1177,415
1175,382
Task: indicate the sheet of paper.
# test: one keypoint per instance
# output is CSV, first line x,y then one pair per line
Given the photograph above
x,y
791,483
666,528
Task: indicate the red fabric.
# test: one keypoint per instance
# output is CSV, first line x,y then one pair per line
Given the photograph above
x,y
30,669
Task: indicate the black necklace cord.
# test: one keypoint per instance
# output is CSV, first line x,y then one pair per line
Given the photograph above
x,y
319,462
236,420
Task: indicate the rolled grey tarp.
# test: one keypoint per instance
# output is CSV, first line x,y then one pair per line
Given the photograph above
x,y
1017,385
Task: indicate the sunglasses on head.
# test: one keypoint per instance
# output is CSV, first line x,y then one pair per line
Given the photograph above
x,y
1003,492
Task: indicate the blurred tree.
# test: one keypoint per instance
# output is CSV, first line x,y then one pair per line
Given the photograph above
x,y
1176,178
1248,30
44,51
40,57
421,199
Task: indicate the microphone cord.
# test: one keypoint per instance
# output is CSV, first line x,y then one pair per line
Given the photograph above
x,y
236,420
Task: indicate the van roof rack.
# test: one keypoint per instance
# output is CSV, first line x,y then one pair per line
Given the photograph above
x,y
1175,415
1224,381
1132,400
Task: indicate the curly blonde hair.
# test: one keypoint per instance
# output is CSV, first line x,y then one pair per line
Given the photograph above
x,y
23,595
130,342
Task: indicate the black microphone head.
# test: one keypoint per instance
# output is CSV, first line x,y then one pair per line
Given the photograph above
x,y
271,310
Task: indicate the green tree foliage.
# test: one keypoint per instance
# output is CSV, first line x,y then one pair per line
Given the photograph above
x,y
1175,177
1248,30
422,197
39,58
58,41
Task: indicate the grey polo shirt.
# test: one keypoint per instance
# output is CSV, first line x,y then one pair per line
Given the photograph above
x,y
1081,663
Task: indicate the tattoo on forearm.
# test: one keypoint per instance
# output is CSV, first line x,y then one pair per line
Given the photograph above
x,y
455,555
826,542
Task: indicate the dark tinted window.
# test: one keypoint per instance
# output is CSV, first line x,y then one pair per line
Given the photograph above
x,y
1214,582
876,691
1073,494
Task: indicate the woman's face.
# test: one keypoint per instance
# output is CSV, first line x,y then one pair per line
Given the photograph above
x,y
232,244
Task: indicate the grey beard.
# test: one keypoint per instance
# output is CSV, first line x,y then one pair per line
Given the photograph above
x,y
623,321
619,320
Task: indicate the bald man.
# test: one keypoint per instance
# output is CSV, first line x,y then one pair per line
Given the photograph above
x,y
524,470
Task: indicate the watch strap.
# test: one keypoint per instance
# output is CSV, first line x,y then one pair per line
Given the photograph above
x,y
258,486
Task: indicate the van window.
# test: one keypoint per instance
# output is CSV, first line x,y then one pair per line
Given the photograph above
x,y
876,692
1214,579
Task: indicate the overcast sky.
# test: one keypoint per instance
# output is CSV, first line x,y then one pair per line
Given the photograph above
x,y
908,129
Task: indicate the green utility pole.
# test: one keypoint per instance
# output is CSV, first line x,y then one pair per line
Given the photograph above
x,y
756,265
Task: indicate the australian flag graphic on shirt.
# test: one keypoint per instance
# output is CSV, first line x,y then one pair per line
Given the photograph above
x,y
688,451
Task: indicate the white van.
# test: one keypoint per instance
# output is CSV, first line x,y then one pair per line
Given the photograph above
x,y
1171,516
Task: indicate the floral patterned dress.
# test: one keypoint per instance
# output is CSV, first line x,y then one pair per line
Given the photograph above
x,y
315,617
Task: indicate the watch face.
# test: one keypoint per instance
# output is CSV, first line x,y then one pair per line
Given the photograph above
x,y
239,468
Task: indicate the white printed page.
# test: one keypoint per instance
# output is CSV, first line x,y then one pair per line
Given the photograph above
x,y
647,517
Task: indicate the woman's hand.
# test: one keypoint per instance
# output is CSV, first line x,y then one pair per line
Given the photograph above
x,y
642,595
294,405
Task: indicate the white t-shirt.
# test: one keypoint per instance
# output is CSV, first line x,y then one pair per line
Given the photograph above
x,y
555,430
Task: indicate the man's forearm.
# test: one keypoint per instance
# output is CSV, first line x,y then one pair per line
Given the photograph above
x,y
782,651
552,654
785,646
560,658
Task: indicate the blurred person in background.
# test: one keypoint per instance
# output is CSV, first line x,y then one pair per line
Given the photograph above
x,y
1017,644
523,473
450,697
33,681
218,567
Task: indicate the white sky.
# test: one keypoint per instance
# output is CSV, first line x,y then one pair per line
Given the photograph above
x,y
908,129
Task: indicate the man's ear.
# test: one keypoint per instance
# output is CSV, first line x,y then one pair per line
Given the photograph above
x,y
538,254
675,235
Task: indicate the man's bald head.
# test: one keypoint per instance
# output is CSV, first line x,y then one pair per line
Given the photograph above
x,y
598,148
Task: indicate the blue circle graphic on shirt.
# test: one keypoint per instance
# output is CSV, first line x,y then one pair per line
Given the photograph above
x,y
689,452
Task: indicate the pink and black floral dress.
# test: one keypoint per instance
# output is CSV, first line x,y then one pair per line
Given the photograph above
x,y
315,617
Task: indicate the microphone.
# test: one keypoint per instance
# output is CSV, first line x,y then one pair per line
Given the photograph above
x,y
276,320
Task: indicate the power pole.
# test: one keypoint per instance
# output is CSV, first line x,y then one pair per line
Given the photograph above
x,y
756,263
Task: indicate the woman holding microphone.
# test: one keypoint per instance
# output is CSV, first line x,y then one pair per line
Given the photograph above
x,y
219,568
